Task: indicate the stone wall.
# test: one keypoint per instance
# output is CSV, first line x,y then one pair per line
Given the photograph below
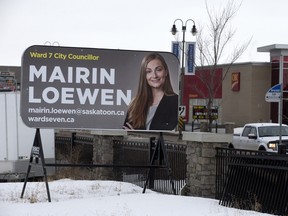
x,y
103,152
201,168
201,160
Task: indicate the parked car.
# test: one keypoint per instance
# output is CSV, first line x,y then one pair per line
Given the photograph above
x,y
260,136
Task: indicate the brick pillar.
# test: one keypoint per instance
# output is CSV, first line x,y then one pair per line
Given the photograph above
x,y
103,153
229,127
201,163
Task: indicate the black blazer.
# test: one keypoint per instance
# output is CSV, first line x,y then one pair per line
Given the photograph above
x,y
166,115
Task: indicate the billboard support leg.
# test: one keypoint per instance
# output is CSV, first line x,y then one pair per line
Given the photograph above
x,y
160,153
36,153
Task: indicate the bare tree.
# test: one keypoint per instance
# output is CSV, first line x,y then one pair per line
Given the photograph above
x,y
211,46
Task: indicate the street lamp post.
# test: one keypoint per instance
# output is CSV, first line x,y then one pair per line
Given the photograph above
x,y
174,31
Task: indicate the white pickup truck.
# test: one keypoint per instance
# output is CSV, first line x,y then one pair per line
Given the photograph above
x,y
259,136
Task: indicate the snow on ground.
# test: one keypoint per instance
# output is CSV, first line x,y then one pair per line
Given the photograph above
x,y
103,198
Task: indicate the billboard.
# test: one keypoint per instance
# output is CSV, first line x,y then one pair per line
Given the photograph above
x,y
7,81
70,87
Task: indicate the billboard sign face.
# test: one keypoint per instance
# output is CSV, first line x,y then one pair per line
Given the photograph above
x,y
68,87
7,81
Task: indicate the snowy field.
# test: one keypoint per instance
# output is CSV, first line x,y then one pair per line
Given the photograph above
x,y
103,198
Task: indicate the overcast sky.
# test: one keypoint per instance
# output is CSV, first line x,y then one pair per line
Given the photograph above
x,y
130,24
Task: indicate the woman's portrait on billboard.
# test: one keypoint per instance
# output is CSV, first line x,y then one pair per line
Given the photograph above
x,y
155,106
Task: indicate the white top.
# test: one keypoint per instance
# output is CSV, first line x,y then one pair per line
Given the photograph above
x,y
150,115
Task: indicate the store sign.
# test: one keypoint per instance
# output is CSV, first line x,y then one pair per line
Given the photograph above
x,y
68,87
235,81
202,112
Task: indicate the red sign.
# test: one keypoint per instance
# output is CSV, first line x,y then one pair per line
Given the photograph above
x,y
235,81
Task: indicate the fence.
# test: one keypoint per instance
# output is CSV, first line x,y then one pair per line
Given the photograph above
x,y
252,180
136,153
133,154
74,148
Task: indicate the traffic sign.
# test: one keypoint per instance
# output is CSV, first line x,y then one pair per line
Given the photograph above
x,y
182,111
274,94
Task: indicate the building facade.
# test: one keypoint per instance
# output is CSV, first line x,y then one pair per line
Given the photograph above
x,y
247,102
279,76
238,93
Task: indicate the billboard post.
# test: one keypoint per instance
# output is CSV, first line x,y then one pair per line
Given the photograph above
x,y
85,88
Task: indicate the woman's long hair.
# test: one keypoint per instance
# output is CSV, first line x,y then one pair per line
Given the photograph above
x,y
139,106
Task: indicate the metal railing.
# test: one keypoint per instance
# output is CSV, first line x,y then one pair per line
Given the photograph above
x,y
140,153
252,180
135,156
